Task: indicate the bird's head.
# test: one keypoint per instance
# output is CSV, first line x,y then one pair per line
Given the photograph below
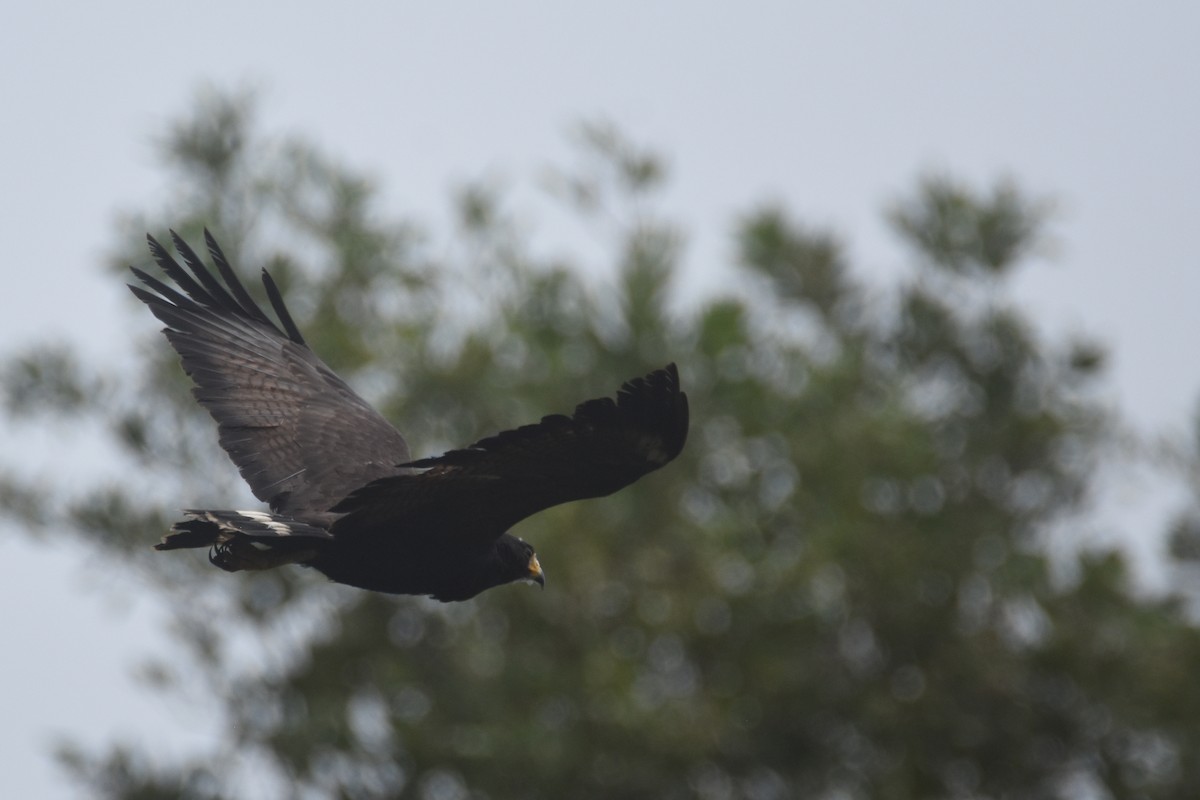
x,y
518,560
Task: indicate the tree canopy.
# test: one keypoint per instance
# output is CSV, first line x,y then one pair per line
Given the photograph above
x,y
840,589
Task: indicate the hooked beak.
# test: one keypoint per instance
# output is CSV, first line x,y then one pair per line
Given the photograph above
x,y
535,572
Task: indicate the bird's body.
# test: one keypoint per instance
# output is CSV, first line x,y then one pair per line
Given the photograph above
x,y
345,495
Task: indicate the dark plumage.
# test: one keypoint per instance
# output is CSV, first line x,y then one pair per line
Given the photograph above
x,y
345,495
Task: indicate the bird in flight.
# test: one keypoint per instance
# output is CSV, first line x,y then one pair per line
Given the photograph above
x,y
345,496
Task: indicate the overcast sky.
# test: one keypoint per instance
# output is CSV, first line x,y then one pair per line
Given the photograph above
x,y
832,109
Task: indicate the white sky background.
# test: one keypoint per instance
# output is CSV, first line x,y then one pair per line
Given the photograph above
x,y
832,109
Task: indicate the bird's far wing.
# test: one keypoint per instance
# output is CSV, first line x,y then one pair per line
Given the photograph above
x,y
485,488
300,436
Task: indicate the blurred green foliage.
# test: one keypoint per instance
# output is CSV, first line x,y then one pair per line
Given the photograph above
x,y
839,590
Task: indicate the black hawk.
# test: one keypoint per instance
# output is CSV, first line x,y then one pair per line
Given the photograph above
x,y
345,496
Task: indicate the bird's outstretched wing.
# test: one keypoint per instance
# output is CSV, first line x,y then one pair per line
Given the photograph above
x,y
300,436
483,489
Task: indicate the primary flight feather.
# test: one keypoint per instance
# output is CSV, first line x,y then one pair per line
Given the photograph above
x,y
345,495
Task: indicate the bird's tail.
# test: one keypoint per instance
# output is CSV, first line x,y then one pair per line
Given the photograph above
x,y
247,539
